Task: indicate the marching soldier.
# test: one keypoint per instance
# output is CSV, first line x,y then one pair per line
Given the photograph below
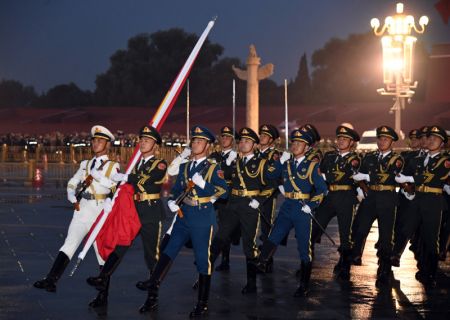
x,y
205,182
411,158
427,203
268,134
249,176
147,179
226,140
87,190
338,168
379,170
304,189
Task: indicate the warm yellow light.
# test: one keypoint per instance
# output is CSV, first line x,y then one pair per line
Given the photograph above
x,y
374,23
399,8
423,21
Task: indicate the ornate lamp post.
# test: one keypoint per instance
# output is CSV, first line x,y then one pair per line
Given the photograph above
x,y
398,56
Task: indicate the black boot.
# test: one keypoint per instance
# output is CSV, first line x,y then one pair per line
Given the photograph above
x,y
345,265
201,308
143,285
250,287
305,275
49,282
101,300
267,249
384,273
101,282
225,264
161,269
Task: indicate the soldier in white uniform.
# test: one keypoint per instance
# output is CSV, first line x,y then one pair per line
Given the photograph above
x,y
89,203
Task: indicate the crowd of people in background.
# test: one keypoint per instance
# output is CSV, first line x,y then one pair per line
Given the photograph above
x,y
58,139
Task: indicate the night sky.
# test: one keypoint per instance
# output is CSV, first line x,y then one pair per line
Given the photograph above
x,y
48,42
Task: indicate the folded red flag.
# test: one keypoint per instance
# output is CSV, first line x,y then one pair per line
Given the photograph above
x,y
122,224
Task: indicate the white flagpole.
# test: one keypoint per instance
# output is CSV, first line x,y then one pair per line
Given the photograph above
x,y
187,113
234,111
286,125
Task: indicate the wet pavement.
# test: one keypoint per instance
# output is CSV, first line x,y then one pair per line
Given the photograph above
x,y
33,225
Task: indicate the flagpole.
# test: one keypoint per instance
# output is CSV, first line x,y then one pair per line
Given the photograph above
x,y
286,125
234,111
187,112
157,121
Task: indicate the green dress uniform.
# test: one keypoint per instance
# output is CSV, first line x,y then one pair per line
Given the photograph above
x,y
271,155
220,205
341,199
380,203
248,180
426,208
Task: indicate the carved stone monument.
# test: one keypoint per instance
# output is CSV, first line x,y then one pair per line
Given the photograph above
x,y
253,75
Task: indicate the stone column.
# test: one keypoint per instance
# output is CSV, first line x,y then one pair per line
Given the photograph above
x,y
253,75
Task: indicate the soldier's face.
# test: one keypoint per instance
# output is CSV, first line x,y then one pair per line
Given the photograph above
x,y
264,139
226,141
299,148
344,143
434,143
146,145
414,143
199,146
384,143
99,146
246,145
424,142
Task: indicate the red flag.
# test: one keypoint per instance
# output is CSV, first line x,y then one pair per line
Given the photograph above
x,y
122,224
443,7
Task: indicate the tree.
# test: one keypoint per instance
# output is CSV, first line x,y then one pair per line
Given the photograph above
x,y
300,89
65,96
142,74
15,94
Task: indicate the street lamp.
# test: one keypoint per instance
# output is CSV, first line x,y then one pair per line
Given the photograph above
x,y
398,56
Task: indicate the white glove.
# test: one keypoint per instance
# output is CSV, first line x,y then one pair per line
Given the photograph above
x,y
285,157
361,176
254,204
401,178
407,195
174,166
185,153
281,188
173,206
447,189
213,199
231,157
71,196
107,205
119,177
96,174
198,180
306,209
360,194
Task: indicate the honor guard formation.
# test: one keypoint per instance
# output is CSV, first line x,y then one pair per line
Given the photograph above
x,y
227,193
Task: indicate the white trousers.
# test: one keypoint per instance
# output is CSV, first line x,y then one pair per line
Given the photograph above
x,y
80,225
